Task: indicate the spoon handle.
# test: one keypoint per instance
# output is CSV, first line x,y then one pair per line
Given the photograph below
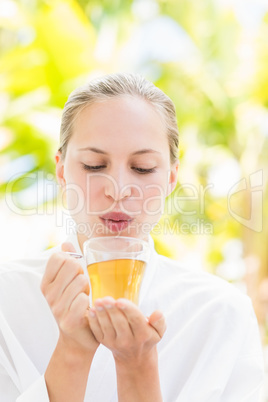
x,y
75,255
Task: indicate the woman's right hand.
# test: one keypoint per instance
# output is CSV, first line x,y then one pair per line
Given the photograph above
x,y
66,290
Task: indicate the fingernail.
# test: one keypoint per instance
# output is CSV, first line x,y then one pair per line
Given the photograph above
x,y
120,305
108,305
92,313
99,308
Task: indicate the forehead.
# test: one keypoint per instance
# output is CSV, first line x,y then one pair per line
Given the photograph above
x,y
126,119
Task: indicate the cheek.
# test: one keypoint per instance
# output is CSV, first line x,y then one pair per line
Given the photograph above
x,y
79,191
154,200
74,196
93,188
154,196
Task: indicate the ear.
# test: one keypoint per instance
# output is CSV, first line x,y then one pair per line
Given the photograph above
x,y
173,178
60,169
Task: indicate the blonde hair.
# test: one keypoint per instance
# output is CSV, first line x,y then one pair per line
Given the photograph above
x,y
119,84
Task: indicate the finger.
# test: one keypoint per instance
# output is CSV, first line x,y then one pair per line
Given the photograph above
x,y
134,316
94,325
157,321
54,264
104,319
78,285
62,306
118,318
68,272
77,313
67,246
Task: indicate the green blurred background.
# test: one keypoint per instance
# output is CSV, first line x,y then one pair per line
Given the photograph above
x,y
210,57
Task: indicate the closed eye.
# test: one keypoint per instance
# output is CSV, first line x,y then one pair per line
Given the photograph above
x,y
93,168
100,167
143,171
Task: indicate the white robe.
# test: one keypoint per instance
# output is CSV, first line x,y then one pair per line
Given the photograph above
x,y
211,351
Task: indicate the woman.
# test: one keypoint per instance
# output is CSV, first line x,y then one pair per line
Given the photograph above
x,y
117,163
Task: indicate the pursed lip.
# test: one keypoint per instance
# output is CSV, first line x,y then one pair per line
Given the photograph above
x,y
116,216
116,221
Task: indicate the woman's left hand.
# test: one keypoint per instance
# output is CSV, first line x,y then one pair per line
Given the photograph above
x,y
122,328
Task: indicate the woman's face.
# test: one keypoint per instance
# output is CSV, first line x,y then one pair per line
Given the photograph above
x,y
116,172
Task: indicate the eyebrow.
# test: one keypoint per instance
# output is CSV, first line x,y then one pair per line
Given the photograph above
x,y
99,151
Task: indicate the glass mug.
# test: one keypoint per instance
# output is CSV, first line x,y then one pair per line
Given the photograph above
x,y
116,266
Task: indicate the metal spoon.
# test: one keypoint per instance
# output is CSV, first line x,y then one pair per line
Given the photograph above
x,y
75,255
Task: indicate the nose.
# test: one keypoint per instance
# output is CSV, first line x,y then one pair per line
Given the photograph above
x,y
117,187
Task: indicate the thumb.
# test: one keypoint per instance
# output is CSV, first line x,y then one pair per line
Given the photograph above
x,y
157,321
67,246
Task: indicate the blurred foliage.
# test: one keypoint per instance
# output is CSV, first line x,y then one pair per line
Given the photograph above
x,y
213,65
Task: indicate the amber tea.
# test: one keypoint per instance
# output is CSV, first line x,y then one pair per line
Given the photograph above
x,y
116,278
116,266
